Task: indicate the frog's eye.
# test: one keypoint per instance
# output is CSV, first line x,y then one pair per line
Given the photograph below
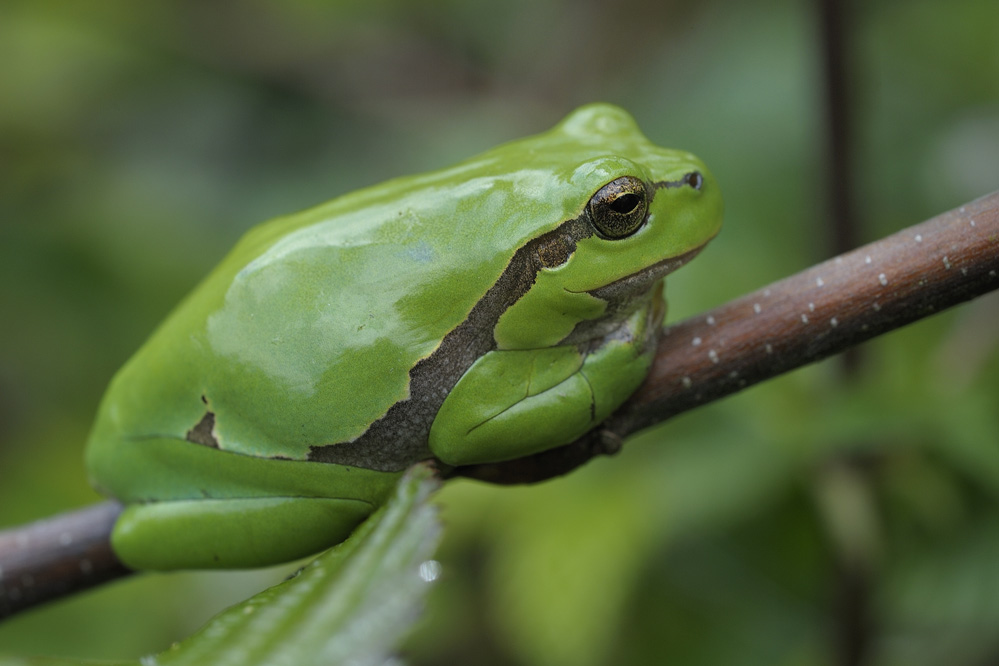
x,y
618,208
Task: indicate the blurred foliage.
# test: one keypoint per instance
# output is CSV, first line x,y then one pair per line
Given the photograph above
x,y
778,527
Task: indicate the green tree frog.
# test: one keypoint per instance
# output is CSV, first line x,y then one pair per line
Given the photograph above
x,y
484,312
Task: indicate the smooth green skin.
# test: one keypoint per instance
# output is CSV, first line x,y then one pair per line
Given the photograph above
x,y
292,352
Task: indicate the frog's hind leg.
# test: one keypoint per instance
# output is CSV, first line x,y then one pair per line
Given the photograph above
x,y
232,533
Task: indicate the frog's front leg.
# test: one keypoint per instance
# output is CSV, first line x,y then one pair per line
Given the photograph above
x,y
513,403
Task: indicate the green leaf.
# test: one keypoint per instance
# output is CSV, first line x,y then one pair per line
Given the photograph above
x,y
352,604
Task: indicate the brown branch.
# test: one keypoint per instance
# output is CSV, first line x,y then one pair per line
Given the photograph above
x,y
58,556
802,319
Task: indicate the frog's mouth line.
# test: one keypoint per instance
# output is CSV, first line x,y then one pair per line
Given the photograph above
x,y
641,279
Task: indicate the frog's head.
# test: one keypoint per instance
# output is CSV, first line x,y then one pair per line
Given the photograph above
x,y
634,212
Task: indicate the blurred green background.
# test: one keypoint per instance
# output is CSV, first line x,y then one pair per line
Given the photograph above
x,y
800,522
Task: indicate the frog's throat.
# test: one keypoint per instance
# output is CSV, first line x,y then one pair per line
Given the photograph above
x,y
640,281
623,297
398,438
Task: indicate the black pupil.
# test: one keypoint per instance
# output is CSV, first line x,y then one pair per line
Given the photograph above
x,y
625,203
695,180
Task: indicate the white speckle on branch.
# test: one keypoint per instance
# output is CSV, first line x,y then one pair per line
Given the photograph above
x,y
946,262
756,308
713,355
819,282
883,279
696,342
430,570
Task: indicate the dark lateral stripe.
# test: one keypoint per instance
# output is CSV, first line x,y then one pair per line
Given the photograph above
x,y
680,182
399,438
